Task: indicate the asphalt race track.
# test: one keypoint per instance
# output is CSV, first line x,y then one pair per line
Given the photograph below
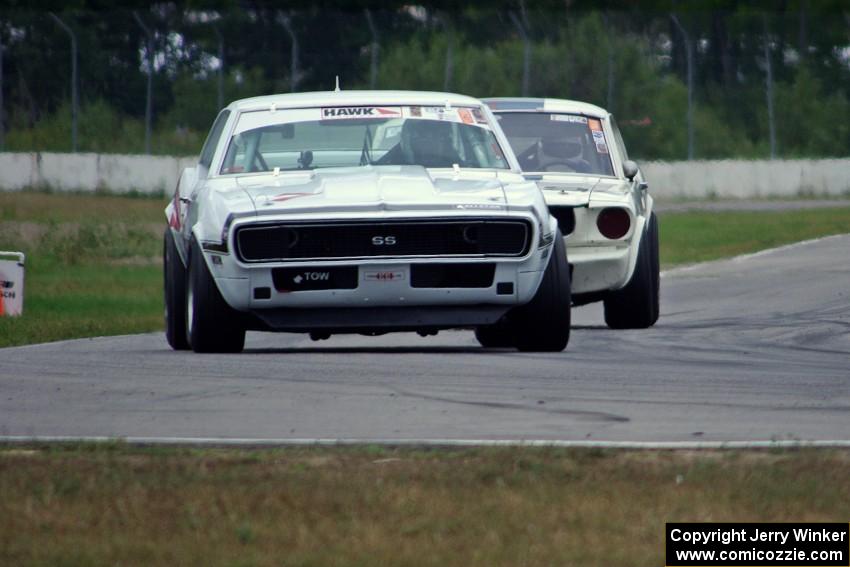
x,y
755,348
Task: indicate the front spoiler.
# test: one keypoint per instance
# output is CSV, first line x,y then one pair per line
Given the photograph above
x,y
377,319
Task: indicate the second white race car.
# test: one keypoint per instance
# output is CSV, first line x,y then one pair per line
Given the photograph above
x,y
575,153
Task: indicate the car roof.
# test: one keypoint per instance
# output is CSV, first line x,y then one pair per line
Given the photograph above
x,y
504,104
353,98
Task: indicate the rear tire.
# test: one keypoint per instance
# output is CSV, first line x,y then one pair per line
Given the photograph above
x,y
174,276
543,324
211,324
637,306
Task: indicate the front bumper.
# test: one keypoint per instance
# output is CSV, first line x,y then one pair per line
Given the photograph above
x,y
254,288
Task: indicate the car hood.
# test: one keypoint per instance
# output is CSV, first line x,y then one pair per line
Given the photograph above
x,y
384,188
576,190
372,191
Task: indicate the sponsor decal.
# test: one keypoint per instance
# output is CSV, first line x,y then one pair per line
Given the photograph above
x,y
11,301
470,116
480,206
389,276
599,140
6,292
479,116
569,118
288,196
440,113
346,112
288,280
312,277
465,116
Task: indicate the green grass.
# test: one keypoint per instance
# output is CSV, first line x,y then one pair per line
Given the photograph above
x,y
114,504
691,237
94,266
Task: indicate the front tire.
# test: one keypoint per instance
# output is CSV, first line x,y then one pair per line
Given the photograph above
x,y
543,324
174,276
637,306
494,336
211,324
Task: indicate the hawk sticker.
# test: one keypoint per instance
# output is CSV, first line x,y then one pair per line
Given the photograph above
x,y
349,112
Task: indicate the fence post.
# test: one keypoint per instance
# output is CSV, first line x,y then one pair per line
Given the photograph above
x,y
522,29
286,20
149,102
689,58
2,124
609,33
220,67
75,102
771,124
449,64
373,50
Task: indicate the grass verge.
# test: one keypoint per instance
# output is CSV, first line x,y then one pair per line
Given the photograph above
x,y
699,236
111,504
94,265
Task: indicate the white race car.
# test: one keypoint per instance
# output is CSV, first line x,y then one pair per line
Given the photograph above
x,y
575,153
361,212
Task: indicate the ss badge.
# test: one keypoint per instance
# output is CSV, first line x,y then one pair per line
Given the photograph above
x,y
383,240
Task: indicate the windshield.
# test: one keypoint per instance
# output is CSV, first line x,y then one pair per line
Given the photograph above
x,y
546,142
315,138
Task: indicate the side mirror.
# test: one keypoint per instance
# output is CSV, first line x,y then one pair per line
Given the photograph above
x,y
630,169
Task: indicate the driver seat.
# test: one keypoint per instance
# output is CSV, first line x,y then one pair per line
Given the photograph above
x,y
429,143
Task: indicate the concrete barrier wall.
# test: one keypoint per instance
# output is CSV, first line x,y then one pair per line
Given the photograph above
x,y
748,179
667,180
91,172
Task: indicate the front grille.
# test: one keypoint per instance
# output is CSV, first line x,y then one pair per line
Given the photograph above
x,y
390,239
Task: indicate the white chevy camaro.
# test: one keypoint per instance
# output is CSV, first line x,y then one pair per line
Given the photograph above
x,y
575,153
361,212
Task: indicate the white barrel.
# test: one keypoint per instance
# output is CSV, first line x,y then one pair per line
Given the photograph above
x,y
11,283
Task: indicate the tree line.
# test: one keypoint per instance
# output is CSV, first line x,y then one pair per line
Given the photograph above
x,y
709,79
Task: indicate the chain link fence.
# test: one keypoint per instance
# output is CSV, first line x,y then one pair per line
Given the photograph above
x,y
686,84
